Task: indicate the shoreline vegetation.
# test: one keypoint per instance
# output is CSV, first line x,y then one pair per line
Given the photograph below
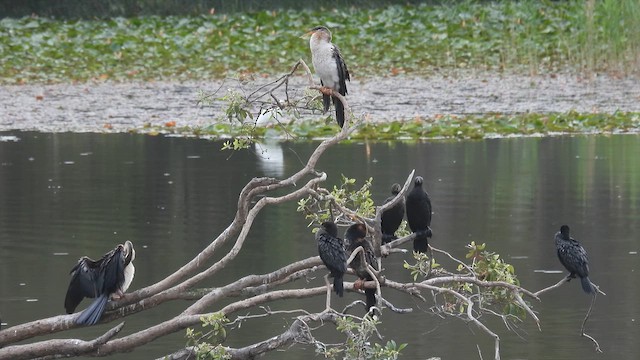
x,y
442,127
529,37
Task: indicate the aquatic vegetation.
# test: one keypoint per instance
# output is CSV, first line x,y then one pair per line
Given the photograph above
x,y
530,36
439,127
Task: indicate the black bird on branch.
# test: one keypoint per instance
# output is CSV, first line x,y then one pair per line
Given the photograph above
x,y
392,217
330,67
332,254
100,279
418,206
573,257
355,237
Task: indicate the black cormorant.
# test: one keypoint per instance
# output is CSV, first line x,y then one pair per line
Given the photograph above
x,y
100,279
331,251
419,215
330,67
573,257
392,217
354,237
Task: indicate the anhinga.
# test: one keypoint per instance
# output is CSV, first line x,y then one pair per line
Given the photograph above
x,y
573,257
330,67
101,279
419,215
392,217
331,251
355,236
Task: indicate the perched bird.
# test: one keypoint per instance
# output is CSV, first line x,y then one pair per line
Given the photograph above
x,y
330,67
100,279
392,217
419,215
573,257
331,251
354,237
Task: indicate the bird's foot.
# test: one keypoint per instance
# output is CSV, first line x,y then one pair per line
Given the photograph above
x,y
326,90
118,295
358,284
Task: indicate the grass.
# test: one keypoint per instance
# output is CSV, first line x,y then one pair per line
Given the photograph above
x,y
525,36
441,127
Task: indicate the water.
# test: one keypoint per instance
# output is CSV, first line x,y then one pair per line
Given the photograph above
x,y
68,195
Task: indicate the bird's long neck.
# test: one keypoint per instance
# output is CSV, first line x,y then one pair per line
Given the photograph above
x,y
319,44
129,272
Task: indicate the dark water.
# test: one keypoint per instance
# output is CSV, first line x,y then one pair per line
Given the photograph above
x,y
67,195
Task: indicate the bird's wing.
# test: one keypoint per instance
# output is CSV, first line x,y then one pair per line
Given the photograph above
x,y
112,267
83,283
331,251
573,257
343,72
583,268
392,217
427,204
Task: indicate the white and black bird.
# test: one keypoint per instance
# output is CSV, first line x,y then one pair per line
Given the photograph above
x,y
108,277
392,217
418,206
573,257
330,67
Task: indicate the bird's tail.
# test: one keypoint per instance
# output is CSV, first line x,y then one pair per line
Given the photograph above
x,y
92,314
339,111
386,238
421,241
338,286
586,285
371,298
326,102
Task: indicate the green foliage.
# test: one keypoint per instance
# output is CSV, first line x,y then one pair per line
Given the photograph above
x,y
207,345
487,266
346,195
439,127
358,344
423,266
525,35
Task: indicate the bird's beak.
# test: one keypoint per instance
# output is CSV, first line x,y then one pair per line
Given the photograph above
x,y
307,34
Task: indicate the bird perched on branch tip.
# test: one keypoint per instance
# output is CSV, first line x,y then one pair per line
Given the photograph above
x,y
573,257
330,67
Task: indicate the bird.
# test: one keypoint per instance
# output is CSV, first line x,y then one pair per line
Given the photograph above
x,y
392,217
418,205
332,254
355,236
573,257
330,67
110,276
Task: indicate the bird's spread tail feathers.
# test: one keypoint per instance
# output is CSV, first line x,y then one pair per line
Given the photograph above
x,y
93,313
339,111
586,285
338,286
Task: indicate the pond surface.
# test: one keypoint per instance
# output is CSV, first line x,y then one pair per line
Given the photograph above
x,y
67,195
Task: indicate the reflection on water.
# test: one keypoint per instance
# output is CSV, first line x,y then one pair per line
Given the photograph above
x,y
68,195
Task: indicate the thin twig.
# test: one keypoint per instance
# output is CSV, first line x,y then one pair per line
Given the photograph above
x,y
584,322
